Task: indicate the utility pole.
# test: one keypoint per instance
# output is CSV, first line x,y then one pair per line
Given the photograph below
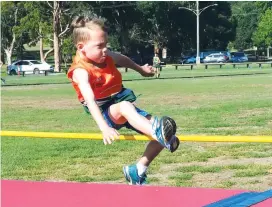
x,y
197,12
197,33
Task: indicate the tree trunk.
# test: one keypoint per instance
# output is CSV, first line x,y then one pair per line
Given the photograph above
x,y
156,48
41,50
47,53
56,35
9,49
8,55
2,58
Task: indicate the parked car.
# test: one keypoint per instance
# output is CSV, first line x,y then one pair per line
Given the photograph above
x,y
215,58
183,58
237,57
191,60
29,67
205,54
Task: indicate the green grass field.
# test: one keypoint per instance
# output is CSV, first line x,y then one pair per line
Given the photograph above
x,y
210,102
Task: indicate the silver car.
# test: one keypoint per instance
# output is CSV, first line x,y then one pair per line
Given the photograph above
x,y
215,58
29,67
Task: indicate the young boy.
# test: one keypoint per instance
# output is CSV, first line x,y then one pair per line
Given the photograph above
x,y
156,64
99,88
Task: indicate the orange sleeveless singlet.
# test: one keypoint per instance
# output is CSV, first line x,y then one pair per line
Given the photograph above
x,y
104,82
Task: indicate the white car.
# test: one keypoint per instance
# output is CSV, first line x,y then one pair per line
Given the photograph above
x,y
215,58
29,67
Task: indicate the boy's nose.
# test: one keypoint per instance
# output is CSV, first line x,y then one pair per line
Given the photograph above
x,y
105,51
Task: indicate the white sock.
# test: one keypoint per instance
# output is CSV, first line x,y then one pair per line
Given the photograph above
x,y
141,168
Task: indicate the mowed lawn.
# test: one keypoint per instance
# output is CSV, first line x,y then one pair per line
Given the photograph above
x,y
207,102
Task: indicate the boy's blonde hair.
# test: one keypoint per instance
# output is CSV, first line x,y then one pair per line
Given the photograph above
x,y
80,26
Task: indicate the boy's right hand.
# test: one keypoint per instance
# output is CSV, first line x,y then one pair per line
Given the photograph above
x,y
147,70
109,135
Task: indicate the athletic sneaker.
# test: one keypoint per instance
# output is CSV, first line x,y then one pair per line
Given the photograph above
x,y
164,130
131,175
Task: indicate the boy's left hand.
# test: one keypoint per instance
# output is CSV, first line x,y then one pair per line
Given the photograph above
x,y
147,70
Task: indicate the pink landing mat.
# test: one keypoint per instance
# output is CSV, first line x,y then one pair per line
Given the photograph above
x,y
17,193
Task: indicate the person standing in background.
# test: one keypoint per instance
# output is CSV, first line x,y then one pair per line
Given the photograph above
x,y
156,64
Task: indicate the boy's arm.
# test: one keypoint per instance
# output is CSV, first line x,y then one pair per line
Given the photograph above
x,y
81,77
126,62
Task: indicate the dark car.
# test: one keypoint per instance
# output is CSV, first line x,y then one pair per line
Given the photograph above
x,y
237,57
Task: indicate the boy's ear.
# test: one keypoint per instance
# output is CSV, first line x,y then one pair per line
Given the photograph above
x,y
80,46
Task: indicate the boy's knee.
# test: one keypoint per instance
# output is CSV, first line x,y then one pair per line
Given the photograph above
x,y
125,106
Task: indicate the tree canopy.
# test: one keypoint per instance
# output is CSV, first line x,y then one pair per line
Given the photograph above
x,y
136,27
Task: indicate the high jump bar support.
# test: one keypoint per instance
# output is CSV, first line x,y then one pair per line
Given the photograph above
x,y
97,136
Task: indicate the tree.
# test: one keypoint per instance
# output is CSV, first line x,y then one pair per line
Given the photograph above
x,y
10,15
216,27
263,34
164,24
245,15
67,50
36,23
61,23
121,18
155,23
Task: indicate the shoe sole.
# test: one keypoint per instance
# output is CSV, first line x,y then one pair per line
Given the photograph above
x,y
175,145
169,129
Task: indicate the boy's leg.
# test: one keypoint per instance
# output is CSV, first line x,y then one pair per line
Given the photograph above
x,y
136,174
158,72
158,129
125,111
162,130
153,148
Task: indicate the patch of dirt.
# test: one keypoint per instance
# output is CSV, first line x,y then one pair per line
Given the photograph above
x,y
62,103
269,123
26,87
220,161
269,86
259,183
233,128
209,180
253,112
192,101
213,179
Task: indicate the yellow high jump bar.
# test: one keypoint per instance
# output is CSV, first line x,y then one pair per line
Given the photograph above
x,y
96,136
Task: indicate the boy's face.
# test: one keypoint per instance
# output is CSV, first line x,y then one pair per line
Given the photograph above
x,y
96,48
